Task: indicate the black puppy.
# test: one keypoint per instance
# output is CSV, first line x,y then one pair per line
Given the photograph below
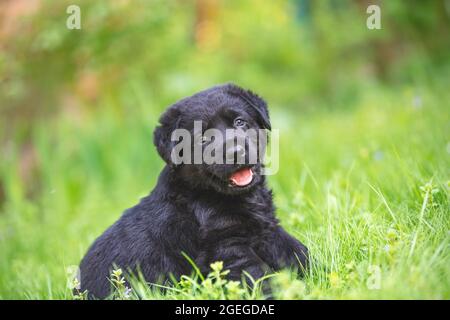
x,y
211,212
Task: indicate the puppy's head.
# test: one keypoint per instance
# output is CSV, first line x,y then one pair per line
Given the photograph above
x,y
216,138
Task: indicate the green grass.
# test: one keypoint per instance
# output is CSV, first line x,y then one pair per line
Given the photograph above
x,y
365,188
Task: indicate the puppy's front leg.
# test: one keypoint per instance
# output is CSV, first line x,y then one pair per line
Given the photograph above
x,y
235,252
281,250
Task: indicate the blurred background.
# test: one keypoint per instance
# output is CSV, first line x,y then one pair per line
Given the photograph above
x,y
132,59
77,107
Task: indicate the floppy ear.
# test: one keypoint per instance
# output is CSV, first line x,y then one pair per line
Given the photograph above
x,y
169,121
254,101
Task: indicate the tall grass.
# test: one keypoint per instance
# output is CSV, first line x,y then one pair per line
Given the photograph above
x,y
366,188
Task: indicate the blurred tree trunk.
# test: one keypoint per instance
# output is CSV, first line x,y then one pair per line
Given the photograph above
x,y
206,31
20,115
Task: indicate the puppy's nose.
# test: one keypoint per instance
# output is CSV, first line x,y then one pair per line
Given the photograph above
x,y
240,151
236,152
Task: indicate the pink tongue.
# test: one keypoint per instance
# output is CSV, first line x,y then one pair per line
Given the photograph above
x,y
242,177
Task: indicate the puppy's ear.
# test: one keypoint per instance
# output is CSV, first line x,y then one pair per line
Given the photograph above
x,y
169,121
254,101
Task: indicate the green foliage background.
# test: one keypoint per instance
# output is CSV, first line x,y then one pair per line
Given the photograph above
x,y
363,118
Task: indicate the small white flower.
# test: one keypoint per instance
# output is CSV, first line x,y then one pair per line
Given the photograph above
x,y
127,292
417,102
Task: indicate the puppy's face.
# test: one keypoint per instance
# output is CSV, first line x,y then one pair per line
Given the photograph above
x,y
223,141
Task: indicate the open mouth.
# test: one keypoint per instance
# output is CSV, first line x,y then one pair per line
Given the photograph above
x,y
241,178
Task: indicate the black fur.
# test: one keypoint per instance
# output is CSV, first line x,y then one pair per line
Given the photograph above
x,y
194,210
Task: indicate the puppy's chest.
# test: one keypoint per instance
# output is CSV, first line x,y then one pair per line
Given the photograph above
x,y
230,221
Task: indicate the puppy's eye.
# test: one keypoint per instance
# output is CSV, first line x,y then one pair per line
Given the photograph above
x,y
238,122
201,139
